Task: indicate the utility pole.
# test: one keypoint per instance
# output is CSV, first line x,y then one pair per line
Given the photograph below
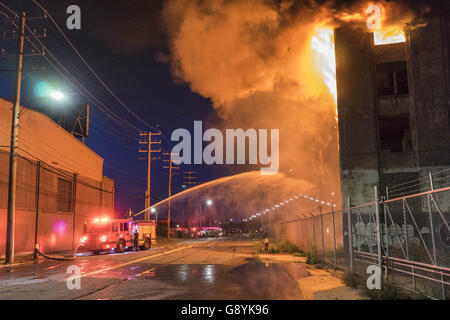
x,y
188,181
10,223
170,167
149,159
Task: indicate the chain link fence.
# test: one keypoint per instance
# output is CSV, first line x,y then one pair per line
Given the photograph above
x,y
407,237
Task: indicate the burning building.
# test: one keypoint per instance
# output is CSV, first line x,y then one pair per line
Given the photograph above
x,y
60,183
393,106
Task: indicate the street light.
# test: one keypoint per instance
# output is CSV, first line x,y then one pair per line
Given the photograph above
x,y
153,210
209,203
57,95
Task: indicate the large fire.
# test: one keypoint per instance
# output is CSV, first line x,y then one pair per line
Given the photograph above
x,y
272,64
322,44
389,35
323,47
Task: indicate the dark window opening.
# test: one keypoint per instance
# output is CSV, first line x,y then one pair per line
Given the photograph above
x,y
64,195
392,78
395,134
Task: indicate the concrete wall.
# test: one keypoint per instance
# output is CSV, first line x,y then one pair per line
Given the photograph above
x,y
357,113
364,163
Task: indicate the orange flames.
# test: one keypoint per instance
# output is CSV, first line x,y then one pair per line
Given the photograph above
x,y
322,44
389,35
323,48
271,64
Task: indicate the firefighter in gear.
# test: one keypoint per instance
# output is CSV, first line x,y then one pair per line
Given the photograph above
x,y
135,232
266,245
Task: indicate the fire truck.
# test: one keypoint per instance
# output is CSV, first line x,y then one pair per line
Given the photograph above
x,y
116,235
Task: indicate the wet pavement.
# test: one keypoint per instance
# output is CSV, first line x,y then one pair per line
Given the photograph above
x,y
219,270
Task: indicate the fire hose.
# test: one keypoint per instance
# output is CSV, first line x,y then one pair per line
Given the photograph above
x,y
38,252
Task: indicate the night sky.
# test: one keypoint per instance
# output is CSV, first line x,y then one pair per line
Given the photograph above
x,y
123,41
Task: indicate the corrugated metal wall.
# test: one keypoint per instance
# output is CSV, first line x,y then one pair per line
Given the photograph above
x,y
85,198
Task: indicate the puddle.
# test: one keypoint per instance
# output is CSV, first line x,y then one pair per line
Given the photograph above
x,y
296,270
251,280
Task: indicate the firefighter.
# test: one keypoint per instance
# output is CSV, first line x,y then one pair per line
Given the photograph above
x,y
135,233
266,245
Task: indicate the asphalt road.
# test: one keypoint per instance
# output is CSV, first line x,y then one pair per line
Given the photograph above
x,y
197,270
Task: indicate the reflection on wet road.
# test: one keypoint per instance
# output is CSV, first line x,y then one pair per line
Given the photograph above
x,y
199,272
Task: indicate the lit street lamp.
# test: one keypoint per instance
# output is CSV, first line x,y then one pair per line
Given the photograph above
x,y
57,95
209,203
153,210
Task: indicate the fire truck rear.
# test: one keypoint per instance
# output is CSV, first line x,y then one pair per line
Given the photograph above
x,y
116,235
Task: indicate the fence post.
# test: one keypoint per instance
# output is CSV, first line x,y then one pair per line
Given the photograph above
x,y
334,236
386,237
349,221
74,202
432,232
378,222
323,241
433,241
314,232
36,227
307,233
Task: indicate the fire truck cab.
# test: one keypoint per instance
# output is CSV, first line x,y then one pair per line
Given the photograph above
x,y
116,235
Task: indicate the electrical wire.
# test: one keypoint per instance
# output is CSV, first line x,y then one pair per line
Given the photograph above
x,y
86,93
92,70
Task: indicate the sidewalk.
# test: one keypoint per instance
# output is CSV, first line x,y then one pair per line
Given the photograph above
x,y
20,258
324,284
313,282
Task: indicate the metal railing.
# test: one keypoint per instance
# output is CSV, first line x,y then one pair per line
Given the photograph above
x,y
407,237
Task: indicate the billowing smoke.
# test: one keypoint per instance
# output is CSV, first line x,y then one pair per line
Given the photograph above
x,y
258,63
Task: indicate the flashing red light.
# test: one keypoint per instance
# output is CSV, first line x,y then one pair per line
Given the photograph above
x,y
104,220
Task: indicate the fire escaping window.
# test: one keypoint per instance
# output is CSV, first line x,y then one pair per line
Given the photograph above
x,y
392,78
395,134
64,195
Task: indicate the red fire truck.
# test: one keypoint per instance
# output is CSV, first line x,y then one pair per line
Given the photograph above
x,y
116,235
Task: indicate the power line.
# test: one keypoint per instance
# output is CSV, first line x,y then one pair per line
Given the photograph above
x,y
123,171
87,94
92,70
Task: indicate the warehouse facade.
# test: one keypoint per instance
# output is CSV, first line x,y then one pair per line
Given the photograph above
x,y
60,183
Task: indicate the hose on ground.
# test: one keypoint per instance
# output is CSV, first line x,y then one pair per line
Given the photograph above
x,y
58,258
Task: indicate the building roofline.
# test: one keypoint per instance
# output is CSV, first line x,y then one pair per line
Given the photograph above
x,y
58,126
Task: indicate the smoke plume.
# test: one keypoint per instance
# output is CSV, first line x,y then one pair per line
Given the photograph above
x,y
260,63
